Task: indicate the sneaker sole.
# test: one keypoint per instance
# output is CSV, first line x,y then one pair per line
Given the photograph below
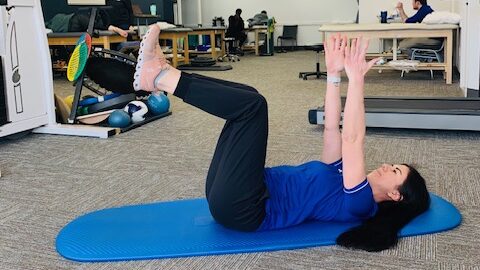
x,y
137,75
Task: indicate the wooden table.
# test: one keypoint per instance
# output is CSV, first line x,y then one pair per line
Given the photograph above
x,y
212,32
402,30
70,39
176,34
257,29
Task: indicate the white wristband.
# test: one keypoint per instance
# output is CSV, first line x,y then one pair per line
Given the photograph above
x,y
335,80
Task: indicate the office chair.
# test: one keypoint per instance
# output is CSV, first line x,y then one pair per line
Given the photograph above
x,y
230,49
289,33
304,75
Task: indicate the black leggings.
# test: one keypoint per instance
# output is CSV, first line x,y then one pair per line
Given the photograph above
x,y
235,187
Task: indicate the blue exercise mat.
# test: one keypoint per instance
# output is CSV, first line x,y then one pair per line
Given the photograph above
x,y
186,228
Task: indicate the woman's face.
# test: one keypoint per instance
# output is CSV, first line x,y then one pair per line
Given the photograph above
x,y
388,178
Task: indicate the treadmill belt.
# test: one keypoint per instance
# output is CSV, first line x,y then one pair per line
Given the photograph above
x,y
424,104
416,113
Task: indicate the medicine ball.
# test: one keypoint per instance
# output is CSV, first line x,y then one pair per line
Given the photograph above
x,y
119,118
136,110
158,103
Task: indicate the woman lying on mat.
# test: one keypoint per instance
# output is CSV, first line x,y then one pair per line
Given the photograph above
x,y
244,195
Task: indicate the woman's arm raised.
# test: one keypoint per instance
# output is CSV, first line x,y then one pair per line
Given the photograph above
x,y
334,60
353,134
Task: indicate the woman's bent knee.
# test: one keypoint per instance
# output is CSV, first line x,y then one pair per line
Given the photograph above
x,y
241,217
261,103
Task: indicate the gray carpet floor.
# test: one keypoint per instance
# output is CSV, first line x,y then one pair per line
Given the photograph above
x,y
49,180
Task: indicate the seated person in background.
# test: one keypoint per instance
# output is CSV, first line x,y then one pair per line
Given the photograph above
x,y
423,9
258,19
79,23
236,28
121,13
117,19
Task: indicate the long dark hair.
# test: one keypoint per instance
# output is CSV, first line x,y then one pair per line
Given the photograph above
x,y
381,231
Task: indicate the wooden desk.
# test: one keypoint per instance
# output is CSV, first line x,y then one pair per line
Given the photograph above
x,y
257,29
402,30
175,34
70,39
212,32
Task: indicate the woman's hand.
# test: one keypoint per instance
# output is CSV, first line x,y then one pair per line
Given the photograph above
x,y
355,64
335,54
399,5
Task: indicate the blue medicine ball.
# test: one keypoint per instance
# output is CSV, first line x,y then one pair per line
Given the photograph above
x,y
119,118
158,103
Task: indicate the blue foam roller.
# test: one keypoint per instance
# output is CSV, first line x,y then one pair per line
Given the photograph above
x,y
94,100
186,228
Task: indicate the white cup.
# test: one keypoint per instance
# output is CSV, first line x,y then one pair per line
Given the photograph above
x,y
153,9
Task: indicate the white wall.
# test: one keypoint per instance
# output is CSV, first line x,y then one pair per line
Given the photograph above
x,y
468,61
190,12
469,46
307,14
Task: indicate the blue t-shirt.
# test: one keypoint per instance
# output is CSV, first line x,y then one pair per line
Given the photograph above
x,y
313,191
420,15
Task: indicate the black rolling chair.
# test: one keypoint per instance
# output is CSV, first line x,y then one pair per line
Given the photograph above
x,y
289,33
304,75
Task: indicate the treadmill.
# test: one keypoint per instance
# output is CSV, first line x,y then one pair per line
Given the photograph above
x,y
415,113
